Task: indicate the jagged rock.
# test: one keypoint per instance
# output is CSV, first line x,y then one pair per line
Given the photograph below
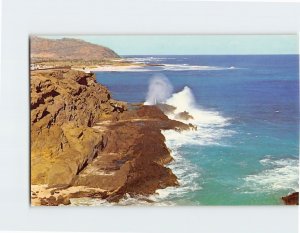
x,y
53,201
118,106
64,106
166,108
80,137
184,116
63,200
291,199
135,156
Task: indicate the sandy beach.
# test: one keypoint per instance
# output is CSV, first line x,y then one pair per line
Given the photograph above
x,y
118,68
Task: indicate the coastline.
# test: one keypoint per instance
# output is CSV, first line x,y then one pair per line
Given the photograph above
x,y
86,145
120,64
108,164
108,158
111,68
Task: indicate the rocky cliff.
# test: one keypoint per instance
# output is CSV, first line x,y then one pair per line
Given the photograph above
x,y
82,138
42,49
64,106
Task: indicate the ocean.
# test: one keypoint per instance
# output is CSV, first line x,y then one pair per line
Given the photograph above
x,y
246,108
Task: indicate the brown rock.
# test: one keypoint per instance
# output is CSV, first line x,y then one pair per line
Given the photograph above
x,y
53,201
64,106
291,199
81,137
134,159
184,116
166,108
63,200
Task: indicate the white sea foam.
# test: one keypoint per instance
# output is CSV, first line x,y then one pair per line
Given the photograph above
x,y
157,64
210,124
185,101
149,59
186,67
163,67
188,177
211,128
278,174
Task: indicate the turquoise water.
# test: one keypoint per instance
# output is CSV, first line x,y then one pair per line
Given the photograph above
x,y
246,149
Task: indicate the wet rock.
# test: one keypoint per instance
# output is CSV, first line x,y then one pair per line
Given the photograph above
x,y
184,116
291,199
134,164
166,108
63,200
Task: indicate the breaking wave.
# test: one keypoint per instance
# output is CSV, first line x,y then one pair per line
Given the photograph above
x,y
210,124
157,64
211,128
277,175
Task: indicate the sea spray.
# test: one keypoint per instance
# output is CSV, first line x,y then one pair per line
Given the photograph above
x,y
188,174
182,100
211,129
229,165
160,89
185,101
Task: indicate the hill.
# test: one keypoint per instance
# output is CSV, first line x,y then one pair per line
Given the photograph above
x,y
42,49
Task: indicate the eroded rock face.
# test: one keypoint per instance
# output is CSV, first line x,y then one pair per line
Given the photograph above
x,y
84,144
64,96
134,158
64,106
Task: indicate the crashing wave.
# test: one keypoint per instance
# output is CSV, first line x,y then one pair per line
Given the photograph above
x,y
278,175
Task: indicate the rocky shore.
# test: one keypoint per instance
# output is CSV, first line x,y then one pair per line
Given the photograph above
x,y
85,144
291,199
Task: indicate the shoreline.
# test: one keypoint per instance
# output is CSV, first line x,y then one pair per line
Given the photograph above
x,y
120,64
86,187
111,68
118,117
91,155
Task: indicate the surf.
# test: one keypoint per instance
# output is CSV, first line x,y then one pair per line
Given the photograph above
x,y
210,131
278,174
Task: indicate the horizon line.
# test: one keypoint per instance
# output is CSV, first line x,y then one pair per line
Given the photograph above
x,y
258,54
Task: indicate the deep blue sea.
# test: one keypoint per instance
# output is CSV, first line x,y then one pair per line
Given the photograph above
x,y
246,148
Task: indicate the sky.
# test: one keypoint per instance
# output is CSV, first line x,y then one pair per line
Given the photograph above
x,y
194,44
